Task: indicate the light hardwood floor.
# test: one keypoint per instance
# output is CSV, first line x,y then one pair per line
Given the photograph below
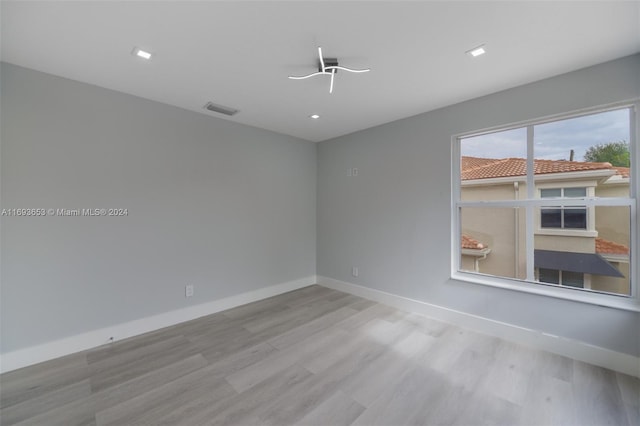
x,y
320,357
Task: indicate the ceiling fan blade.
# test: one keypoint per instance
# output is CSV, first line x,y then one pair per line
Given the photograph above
x,y
337,67
321,59
302,77
333,73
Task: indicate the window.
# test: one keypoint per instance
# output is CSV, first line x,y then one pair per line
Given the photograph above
x,y
565,278
541,206
563,218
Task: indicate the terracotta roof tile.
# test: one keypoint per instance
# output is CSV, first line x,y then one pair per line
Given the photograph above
x,y
473,162
486,168
471,243
622,171
602,246
609,247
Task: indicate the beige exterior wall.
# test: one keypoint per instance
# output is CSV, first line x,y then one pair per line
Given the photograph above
x,y
562,243
611,284
612,223
495,228
467,262
490,192
503,231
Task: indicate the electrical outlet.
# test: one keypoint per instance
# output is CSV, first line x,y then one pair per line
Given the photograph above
x,y
188,290
354,172
354,271
349,172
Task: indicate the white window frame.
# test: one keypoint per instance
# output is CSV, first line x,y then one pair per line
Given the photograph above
x,y
534,202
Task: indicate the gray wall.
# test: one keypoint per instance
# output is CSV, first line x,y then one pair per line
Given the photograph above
x,y
231,208
393,220
226,207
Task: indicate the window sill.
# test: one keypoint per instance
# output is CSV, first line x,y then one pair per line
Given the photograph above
x,y
575,295
567,232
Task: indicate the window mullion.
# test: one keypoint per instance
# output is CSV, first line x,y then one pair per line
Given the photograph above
x,y
562,211
529,222
634,124
456,219
551,202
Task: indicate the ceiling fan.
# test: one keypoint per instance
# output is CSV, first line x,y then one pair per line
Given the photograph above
x,y
327,66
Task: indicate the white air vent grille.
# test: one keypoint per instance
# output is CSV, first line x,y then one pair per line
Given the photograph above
x,y
220,109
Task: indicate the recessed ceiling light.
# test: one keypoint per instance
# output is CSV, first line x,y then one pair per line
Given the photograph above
x,y
314,116
141,53
477,51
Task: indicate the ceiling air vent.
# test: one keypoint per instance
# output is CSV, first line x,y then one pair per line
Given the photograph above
x,y
220,109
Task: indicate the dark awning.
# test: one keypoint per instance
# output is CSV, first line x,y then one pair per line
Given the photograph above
x,y
588,263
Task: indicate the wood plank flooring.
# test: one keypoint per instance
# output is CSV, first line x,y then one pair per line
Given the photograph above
x,y
316,356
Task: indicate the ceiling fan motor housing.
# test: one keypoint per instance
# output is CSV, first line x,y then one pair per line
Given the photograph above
x,y
328,62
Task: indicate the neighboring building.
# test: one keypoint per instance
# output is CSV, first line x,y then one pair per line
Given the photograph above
x,y
586,247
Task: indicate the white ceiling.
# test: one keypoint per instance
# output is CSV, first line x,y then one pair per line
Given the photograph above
x,y
239,53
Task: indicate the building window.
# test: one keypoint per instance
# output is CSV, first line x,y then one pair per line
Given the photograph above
x,y
563,218
565,278
543,204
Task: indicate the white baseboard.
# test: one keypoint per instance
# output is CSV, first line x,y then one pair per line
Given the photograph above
x,y
617,361
68,345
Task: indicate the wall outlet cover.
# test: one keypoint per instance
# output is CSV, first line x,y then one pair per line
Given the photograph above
x,y
188,290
